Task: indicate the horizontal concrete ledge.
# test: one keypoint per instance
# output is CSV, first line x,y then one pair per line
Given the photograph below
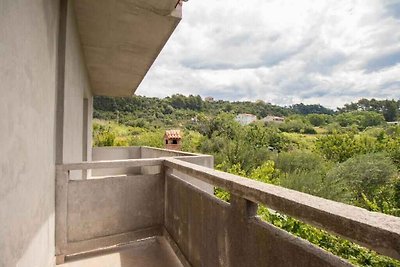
x,y
163,150
99,245
110,249
107,164
376,231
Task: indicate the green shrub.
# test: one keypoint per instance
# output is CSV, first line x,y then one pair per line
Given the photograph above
x,y
367,175
299,160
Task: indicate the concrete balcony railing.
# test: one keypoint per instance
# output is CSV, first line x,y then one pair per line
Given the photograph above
x,y
170,198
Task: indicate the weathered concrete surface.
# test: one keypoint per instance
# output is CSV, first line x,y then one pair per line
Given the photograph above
x,y
120,153
122,38
153,152
377,231
115,153
154,252
210,232
199,159
28,32
77,140
109,206
98,244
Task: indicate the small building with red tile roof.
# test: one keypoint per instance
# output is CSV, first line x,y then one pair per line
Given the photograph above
x,y
173,140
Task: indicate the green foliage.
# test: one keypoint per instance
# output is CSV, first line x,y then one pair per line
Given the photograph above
x,y
345,249
108,134
315,182
235,169
370,175
191,141
174,111
296,125
340,147
103,136
299,160
362,119
388,108
265,173
305,171
310,109
319,119
336,147
154,138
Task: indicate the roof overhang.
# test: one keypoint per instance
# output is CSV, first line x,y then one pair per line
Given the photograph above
x,y
122,38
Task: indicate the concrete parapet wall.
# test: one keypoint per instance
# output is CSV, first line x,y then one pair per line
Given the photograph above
x,y
204,230
118,153
114,205
373,230
101,212
115,153
210,232
152,152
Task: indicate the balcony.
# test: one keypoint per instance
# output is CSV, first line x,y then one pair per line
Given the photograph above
x,y
152,207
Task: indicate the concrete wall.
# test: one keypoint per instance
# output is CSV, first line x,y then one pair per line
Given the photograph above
x,y
28,49
115,153
152,152
210,232
77,136
30,77
109,206
199,159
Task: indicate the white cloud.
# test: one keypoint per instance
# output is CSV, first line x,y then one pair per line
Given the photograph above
x,y
282,51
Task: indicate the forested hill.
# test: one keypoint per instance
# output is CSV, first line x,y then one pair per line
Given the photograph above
x,y
190,103
140,111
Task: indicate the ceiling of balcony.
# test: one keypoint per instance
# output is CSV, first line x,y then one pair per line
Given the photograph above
x,y
121,39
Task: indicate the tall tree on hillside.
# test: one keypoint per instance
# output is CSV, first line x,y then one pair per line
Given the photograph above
x,y
390,110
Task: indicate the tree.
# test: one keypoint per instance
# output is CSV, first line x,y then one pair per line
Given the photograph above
x,y
319,119
390,110
366,175
310,109
336,147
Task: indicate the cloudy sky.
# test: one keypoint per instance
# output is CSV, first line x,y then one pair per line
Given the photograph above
x,y
284,52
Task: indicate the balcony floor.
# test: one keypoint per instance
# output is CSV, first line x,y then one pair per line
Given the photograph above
x,y
149,253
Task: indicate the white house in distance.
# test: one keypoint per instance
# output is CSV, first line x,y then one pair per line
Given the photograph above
x,y
275,119
245,119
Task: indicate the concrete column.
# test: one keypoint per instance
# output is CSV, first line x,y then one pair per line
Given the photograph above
x,y
238,231
60,96
61,214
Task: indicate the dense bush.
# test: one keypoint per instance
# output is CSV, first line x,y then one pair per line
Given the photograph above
x,y
299,160
368,175
319,119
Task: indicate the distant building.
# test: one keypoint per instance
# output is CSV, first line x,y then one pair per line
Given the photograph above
x,y
245,119
209,99
173,139
273,119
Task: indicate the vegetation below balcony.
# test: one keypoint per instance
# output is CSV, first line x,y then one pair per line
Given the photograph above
x,y
351,156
